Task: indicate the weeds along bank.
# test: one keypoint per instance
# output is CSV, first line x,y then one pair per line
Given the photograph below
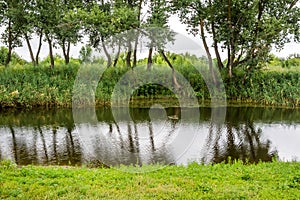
x,y
34,86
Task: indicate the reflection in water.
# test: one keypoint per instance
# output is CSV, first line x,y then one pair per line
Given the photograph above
x,y
125,143
50,137
40,145
240,141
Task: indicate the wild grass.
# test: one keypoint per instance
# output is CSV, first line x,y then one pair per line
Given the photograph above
x,y
39,86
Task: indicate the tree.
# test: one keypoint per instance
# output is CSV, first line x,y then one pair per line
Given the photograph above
x,y
159,33
193,14
47,13
10,17
67,30
103,21
123,8
139,22
96,23
247,30
28,24
158,17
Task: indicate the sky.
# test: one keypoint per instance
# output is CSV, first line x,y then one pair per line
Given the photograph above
x,y
175,25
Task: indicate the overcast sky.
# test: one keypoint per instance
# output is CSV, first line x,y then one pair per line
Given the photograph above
x,y
174,24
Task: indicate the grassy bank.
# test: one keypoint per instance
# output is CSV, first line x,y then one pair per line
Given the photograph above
x,y
220,181
29,86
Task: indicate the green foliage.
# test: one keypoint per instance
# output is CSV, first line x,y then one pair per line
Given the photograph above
x,y
3,55
294,62
16,59
246,29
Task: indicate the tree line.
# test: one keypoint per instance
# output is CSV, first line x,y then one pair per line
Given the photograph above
x,y
246,29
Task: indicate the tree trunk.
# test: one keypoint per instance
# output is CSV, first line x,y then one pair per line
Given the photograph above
x,y
230,45
149,64
232,57
174,79
118,55
9,40
135,54
106,52
30,49
220,64
66,51
228,56
50,52
128,57
137,36
216,48
210,63
39,48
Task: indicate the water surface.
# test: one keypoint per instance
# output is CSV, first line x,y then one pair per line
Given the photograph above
x,y
149,136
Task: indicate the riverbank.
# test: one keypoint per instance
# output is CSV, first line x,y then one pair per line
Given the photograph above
x,y
29,87
276,180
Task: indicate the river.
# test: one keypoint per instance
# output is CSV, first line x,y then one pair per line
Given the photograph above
x,y
149,136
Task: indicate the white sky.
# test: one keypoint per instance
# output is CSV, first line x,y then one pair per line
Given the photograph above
x,y
174,23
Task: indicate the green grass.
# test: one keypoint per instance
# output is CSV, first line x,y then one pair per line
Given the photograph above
x,y
275,180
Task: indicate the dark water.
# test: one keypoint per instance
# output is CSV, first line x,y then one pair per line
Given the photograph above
x,y
51,136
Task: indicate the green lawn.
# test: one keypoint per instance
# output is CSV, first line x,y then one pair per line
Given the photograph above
x,y
275,180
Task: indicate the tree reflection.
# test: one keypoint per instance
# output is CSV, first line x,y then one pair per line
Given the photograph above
x,y
238,141
129,143
70,153
54,144
44,144
14,144
22,153
35,146
52,140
